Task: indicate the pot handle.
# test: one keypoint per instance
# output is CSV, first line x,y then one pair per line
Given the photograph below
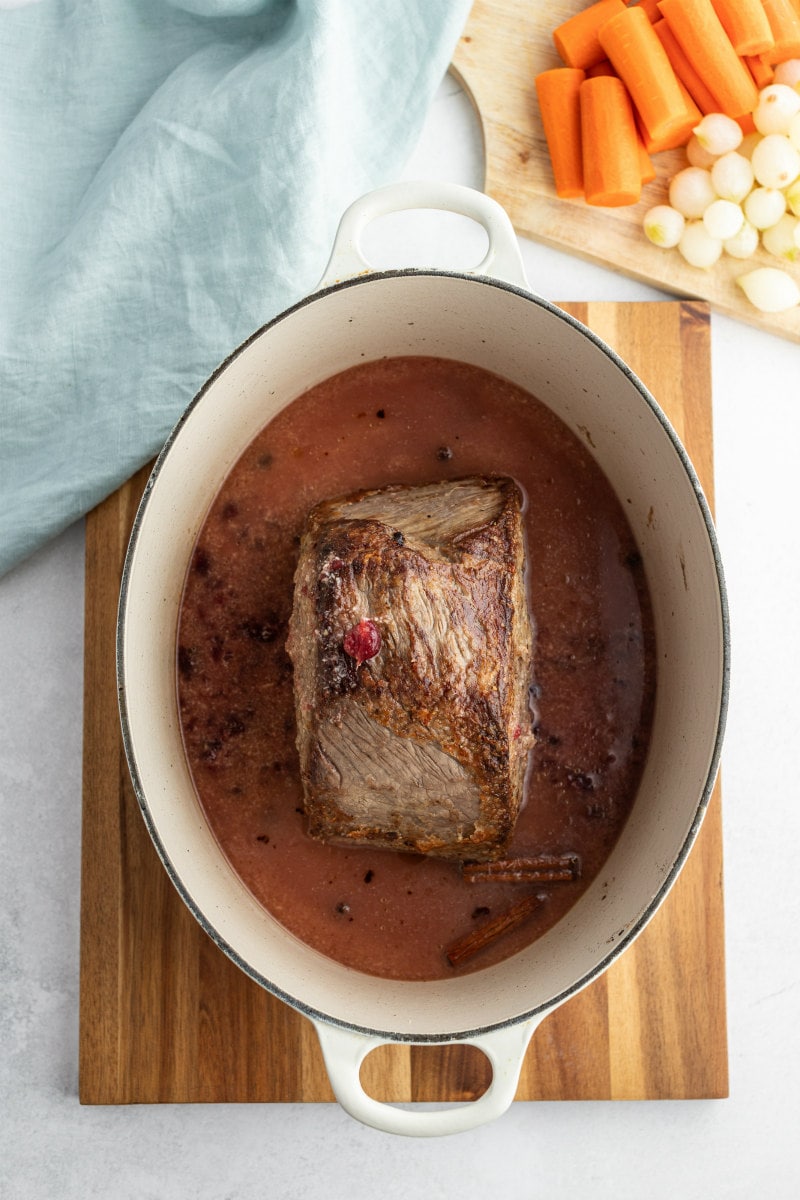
x,y
344,1050
503,259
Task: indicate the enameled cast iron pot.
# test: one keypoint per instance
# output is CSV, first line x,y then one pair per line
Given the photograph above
x,y
490,318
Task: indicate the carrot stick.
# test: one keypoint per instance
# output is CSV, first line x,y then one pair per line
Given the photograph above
x,y
746,24
641,62
576,39
680,135
763,72
784,21
611,166
647,170
707,46
604,67
648,6
686,73
558,92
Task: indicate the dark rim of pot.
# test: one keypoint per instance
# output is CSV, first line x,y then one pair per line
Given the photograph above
x,y
630,932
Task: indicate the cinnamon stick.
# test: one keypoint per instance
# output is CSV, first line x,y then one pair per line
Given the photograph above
x,y
541,868
464,948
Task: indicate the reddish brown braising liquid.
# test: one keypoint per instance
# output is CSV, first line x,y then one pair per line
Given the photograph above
x,y
413,420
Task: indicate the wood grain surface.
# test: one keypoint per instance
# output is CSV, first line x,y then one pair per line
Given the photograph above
x,y
504,46
165,1016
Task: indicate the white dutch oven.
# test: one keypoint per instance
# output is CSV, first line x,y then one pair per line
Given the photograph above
x,y
491,319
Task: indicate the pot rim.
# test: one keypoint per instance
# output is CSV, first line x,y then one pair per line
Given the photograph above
x,y
635,928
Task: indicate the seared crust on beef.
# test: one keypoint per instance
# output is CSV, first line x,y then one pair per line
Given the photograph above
x,y
422,747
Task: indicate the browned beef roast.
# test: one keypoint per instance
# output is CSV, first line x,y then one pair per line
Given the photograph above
x,y
411,645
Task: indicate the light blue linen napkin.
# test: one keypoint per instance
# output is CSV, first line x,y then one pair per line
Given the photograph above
x,y
171,177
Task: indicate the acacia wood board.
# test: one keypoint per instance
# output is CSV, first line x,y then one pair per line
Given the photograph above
x,y
505,44
165,1016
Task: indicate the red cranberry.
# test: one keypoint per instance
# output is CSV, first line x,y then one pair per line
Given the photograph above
x,y
363,641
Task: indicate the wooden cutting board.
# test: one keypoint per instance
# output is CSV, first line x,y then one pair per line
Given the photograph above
x,y
165,1016
505,44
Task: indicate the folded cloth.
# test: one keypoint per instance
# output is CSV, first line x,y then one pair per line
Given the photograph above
x,y
171,177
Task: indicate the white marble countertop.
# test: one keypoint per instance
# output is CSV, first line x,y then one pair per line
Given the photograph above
x,y
744,1146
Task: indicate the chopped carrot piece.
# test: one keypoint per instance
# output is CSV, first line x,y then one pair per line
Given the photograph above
x,y
648,6
681,134
784,20
576,39
647,168
604,67
746,24
705,43
763,72
612,174
558,92
691,80
641,62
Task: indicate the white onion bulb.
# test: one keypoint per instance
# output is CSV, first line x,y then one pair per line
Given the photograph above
x,y
770,289
744,243
697,245
779,239
792,194
788,72
723,219
663,225
691,191
764,207
777,104
794,131
697,155
718,133
732,176
776,162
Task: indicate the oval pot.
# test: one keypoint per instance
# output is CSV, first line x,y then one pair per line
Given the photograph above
x,y
488,318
